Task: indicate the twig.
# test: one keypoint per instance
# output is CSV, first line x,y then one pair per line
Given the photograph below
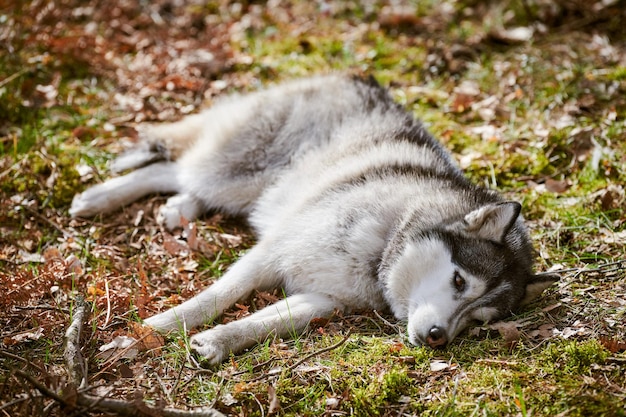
x,y
16,401
78,374
388,323
74,360
45,220
254,397
617,266
307,357
12,167
114,358
497,362
318,352
174,389
45,307
128,408
20,359
13,76
42,388
108,296
255,368
581,270
602,267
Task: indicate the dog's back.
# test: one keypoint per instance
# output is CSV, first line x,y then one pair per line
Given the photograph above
x,y
266,151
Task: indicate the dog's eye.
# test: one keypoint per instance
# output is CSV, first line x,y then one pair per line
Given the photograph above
x,y
459,282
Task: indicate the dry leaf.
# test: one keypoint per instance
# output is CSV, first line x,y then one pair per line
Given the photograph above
x,y
73,265
613,344
438,365
543,332
149,338
512,36
191,234
319,322
126,344
51,254
396,347
228,240
267,296
23,337
551,307
274,406
125,370
462,102
507,329
174,246
556,186
611,197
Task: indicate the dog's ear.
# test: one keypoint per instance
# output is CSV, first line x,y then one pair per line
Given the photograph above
x,y
536,285
491,222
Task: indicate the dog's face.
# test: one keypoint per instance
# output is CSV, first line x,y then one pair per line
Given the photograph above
x,y
474,269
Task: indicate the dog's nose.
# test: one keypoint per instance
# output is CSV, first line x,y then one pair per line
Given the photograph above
x,y
436,337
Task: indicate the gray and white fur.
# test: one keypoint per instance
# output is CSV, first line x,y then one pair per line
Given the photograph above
x,y
355,206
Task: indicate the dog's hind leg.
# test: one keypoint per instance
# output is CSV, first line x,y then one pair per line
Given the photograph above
x,y
243,277
286,318
119,191
166,141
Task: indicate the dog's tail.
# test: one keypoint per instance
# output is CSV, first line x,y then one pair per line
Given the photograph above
x,y
158,142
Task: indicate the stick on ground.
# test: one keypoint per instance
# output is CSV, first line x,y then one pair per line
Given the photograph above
x,y
77,371
74,360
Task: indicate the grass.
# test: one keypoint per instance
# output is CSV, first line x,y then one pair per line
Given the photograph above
x,y
555,107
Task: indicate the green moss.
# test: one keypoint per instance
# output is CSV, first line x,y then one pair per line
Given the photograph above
x,y
51,181
575,357
617,73
380,390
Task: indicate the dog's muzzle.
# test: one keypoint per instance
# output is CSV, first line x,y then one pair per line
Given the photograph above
x,y
436,337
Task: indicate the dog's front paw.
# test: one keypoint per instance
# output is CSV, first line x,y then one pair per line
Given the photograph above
x,y
89,203
212,350
170,217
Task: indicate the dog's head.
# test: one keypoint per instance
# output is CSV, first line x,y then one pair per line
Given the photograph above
x,y
478,267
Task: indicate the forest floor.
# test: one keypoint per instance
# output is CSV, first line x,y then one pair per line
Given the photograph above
x,y
530,96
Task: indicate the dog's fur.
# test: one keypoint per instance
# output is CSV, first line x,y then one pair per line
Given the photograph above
x,y
355,206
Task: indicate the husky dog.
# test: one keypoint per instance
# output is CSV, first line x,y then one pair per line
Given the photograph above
x,y
355,207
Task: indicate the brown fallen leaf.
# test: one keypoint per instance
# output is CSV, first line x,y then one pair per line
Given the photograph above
x,y
396,347
52,253
462,102
613,344
543,332
507,329
551,307
190,231
267,296
611,197
174,246
274,406
319,323
556,186
148,337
